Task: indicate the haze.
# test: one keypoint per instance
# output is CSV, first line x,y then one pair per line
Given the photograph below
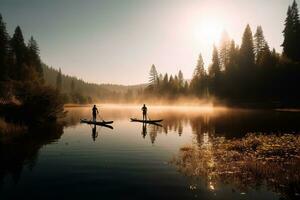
x,y
115,41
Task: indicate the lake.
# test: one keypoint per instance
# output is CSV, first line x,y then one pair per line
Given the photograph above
x,y
71,160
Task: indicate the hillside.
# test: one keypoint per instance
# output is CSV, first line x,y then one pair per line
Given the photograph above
x,y
90,91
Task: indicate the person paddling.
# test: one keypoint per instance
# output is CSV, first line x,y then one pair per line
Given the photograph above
x,y
95,112
144,109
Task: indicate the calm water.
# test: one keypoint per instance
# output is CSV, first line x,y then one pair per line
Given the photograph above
x,y
130,161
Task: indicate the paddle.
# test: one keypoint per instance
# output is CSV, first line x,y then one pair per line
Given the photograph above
x,y
100,117
148,117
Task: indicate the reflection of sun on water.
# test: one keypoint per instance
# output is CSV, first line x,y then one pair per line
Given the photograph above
x,y
206,143
211,186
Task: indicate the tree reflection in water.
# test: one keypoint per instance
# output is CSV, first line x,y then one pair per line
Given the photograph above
x,y
227,123
230,123
21,151
154,129
255,160
94,133
215,154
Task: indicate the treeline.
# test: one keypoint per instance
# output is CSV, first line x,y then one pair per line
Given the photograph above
x,y
77,91
166,86
247,75
23,94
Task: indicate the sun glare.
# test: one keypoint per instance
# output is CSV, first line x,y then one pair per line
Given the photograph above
x,y
209,31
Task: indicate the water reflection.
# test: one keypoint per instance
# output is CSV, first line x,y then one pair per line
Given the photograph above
x,y
18,152
97,128
218,122
94,133
154,129
252,162
204,126
144,132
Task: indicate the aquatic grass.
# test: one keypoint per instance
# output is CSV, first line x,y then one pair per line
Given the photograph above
x,y
256,159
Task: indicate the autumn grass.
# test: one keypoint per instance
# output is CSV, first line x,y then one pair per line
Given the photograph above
x,y
256,159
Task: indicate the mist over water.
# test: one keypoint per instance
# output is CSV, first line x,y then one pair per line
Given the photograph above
x,y
131,160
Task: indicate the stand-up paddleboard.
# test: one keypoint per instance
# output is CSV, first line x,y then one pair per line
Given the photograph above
x,y
146,121
100,123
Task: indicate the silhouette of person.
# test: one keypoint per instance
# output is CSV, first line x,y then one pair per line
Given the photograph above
x,y
94,133
144,132
95,112
144,109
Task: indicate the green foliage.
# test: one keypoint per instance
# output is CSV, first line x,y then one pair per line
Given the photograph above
x,y
18,68
153,76
59,80
260,44
72,86
224,50
41,103
23,96
33,58
180,79
199,81
232,57
214,73
89,92
251,76
4,45
165,86
291,34
247,49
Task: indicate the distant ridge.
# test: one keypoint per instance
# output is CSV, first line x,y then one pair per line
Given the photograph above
x,y
95,91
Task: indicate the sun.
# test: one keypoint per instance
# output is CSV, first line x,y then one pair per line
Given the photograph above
x,y
208,31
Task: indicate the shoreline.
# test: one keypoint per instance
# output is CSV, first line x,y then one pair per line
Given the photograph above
x,y
203,106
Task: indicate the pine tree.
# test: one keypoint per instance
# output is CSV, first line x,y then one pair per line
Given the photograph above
x,y
224,50
171,85
18,53
288,35
233,57
176,84
198,82
246,55
215,72
215,69
160,79
153,76
266,57
185,87
259,44
165,82
296,22
180,79
33,58
199,70
72,86
59,80
4,47
291,33
171,81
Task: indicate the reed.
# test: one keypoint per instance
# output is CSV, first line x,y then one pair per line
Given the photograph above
x,y
256,159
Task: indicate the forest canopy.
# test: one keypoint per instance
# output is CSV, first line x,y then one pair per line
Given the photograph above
x,y
248,75
23,95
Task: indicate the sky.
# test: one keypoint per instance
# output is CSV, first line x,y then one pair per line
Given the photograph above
x,y
116,41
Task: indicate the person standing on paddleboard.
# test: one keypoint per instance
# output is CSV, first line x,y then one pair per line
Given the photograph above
x,y
95,112
144,109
